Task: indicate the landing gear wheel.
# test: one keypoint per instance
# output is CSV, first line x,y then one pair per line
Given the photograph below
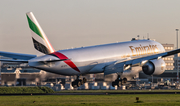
x,y
74,84
113,84
84,80
119,83
124,80
79,83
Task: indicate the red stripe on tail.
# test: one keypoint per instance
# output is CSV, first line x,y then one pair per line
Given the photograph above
x,y
68,62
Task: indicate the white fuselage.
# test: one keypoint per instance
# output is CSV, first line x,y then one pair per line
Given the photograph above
x,y
93,59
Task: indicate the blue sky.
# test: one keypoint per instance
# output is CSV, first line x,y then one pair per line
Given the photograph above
x,y
76,23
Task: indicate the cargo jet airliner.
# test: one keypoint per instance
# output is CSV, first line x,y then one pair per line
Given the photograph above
x,y
117,58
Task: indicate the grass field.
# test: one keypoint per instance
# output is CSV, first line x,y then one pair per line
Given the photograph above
x,y
113,91
22,90
92,100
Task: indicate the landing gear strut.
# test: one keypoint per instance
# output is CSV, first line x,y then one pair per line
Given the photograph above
x,y
119,81
78,82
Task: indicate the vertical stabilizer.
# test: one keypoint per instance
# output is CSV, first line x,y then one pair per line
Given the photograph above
x,y
40,41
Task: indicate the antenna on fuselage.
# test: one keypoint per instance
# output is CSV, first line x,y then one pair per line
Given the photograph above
x,y
138,37
148,36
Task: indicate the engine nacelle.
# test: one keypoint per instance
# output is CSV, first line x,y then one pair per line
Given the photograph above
x,y
154,67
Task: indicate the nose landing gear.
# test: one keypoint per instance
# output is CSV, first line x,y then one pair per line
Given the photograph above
x,y
78,82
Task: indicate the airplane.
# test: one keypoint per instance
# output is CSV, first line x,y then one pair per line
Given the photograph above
x,y
119,58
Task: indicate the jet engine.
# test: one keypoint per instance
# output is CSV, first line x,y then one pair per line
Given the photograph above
x,y
154,67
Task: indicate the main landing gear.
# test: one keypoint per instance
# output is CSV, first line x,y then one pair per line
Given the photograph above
x,y
78,82
119,81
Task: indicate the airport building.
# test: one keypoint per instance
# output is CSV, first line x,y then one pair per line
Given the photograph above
x,y
170,59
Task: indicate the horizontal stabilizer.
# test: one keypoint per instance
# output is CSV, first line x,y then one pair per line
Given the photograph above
x,y
26,61
11,60
17,55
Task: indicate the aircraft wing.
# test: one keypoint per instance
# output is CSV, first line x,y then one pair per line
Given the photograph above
x,y
17,55
118,67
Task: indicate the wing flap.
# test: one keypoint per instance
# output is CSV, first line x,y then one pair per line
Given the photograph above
x,y
114,68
